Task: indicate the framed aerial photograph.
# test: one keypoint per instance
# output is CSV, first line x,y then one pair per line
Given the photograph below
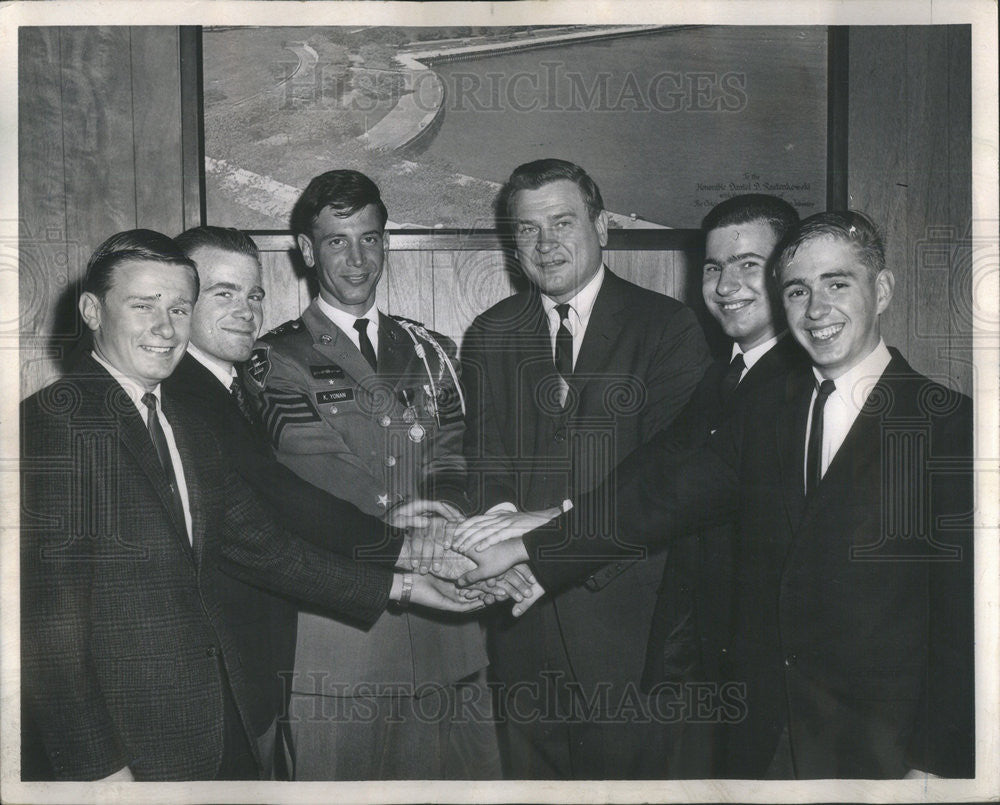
x,y
656,118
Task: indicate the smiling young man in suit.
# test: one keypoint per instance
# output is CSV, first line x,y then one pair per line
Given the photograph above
x,y
690,631
852,487
225,322
564,379
367,407
130,510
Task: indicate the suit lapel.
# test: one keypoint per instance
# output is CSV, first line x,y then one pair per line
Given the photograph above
x,y
790,434
194,481
135,439
859,450
535,367
605,323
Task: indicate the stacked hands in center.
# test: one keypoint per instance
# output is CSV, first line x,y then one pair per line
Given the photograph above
x,y
464,563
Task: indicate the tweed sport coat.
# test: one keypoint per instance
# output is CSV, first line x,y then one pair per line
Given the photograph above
x,y
853,627
125,643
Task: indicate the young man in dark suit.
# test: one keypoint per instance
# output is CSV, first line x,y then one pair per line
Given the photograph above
x,y
852,488
691,625
130,669
224,324
564,379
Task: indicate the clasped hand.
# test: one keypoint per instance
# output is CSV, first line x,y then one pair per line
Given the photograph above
x,y
483,556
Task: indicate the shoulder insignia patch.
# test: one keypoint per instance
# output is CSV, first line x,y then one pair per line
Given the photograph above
x,y
284,408
258,366
288,327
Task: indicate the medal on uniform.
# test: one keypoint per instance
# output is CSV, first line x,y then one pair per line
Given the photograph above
x,y
416,432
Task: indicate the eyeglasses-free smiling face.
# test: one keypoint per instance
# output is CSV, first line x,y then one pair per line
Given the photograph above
x,y
141,326
559,247
348,254
229,311
734,281
833,301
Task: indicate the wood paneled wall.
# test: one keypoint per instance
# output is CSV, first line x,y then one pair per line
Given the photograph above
x,y
446,288
99,152
910,169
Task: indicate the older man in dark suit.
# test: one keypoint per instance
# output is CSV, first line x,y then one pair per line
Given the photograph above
x,y
852,485
129,509
563,380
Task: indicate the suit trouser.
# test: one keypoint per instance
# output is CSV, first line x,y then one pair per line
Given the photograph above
x,y
446,734
554,727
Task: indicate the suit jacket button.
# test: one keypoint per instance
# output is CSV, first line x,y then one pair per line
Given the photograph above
x,y
390,461
790,660
210,651
559,435
385,421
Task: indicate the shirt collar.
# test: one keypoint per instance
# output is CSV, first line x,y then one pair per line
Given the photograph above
x,y
854,385
134,390
754,354
583,302
213,365
345,321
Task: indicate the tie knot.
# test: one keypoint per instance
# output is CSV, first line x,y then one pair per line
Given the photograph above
x,y
826,388
361,325
563,311
738,362
149,400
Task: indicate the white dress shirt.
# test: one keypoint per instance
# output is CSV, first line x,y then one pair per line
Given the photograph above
x,y
754,354
345,321
845,403
135,393
580,308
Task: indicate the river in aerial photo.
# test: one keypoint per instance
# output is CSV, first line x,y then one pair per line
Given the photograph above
x,y
668,121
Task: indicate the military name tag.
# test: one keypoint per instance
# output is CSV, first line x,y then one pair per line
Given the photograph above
x,y
327,372
334,396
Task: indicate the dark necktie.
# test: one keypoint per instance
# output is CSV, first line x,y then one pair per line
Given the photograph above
x,y
239,396
564,343
731,379
162,451
814,450
367,350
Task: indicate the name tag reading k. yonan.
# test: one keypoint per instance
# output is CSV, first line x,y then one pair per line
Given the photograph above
x,y
334,396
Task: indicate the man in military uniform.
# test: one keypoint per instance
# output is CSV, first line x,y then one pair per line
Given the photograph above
x,y
368,407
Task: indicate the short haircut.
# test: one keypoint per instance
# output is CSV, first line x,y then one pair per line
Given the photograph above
x,y
848,226
533,175
776,212
346,192
217,237
134,244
